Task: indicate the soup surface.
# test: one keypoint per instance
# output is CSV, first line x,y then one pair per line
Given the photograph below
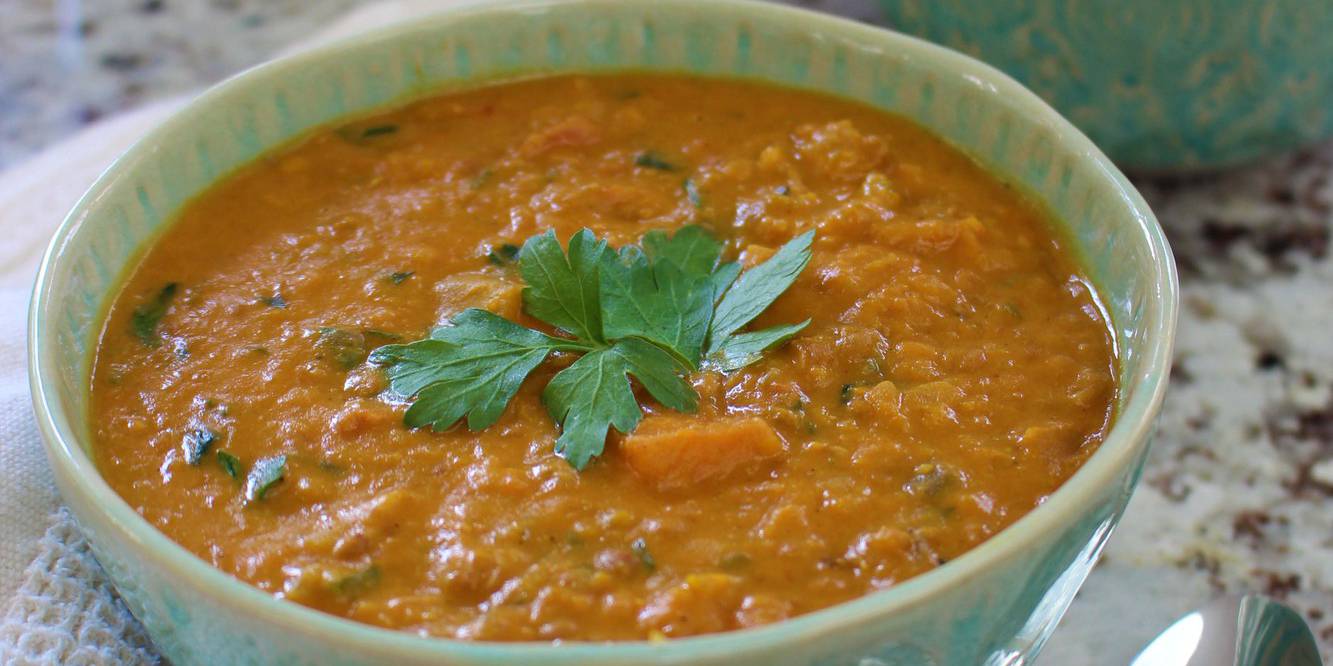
x,y
957,367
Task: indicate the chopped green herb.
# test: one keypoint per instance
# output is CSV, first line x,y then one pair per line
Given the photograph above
x,y
258,349
357,583
503,255
652,160
645,313
344,347
401,276
196,443
378,130
230,464
640,548
479,181
735,561
383,335
847,393
330,467
262,476
274,301
145,318
692,193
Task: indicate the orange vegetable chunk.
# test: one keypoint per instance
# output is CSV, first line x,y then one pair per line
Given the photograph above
x,y
677,452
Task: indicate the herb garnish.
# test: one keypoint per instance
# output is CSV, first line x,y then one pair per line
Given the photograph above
x,y
692,193
653,312
503,255
144,319
640,548
274,301
262,476
196,443
343,346
358,582
378,130
387,336
400,276
652,160
230,464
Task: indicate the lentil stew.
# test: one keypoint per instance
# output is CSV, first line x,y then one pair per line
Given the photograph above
x,y
956,370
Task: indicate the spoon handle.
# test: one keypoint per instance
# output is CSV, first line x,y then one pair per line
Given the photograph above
x,y
1235,631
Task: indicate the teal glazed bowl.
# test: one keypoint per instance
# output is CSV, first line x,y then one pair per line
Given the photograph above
x,y
996,604
1161,86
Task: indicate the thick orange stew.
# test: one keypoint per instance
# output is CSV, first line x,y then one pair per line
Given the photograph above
x,y
956,369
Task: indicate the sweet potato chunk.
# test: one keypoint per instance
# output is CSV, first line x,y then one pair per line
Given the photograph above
x,y
478,290
673,452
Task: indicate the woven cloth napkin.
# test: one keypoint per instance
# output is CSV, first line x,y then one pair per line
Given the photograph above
x,y
58,606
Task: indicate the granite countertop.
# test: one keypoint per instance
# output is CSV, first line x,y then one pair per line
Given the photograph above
x,y
1238,493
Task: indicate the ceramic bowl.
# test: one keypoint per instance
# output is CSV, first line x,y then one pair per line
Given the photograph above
x,y
1161,86
995,604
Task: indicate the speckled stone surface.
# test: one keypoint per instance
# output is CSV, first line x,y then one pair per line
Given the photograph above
x,y
65,63
1238,494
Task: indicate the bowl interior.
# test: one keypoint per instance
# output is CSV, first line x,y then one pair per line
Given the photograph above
x,y
976,108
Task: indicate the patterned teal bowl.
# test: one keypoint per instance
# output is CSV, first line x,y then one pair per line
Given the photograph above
x,y
1160,85
996,604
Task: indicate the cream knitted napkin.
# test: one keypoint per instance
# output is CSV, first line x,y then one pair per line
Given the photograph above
x,y
58,607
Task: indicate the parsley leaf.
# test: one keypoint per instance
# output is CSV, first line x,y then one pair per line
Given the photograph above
x,y
144,319
743,349
757,288
262,476
564,290
692,249
594,394
695,252
196,443
644,314
656,300
472,367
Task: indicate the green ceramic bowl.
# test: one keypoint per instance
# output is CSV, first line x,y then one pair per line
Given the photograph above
x,y
1160,85
996,604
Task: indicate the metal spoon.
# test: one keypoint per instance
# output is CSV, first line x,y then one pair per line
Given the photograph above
x,y
1248,630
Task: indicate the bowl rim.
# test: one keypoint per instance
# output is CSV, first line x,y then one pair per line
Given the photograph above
x,y
1121,449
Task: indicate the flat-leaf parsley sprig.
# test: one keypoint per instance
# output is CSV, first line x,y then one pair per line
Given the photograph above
x,y
654,312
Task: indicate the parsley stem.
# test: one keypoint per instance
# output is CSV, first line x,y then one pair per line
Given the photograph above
x,y
574,345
